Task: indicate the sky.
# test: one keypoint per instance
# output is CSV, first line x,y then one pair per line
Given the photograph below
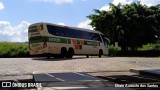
x,y
17,15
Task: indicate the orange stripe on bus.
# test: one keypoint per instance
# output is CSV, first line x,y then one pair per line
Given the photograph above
x,y
81,42
75,43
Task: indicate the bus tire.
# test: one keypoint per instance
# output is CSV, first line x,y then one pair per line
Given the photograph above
x,y
100,53
70,53
87,56
63,52
48,56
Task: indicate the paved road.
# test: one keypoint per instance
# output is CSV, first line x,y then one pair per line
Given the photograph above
x,y
26,66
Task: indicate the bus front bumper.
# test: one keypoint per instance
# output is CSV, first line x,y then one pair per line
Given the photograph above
x,y
38,52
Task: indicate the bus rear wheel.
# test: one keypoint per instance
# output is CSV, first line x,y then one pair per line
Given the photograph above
x,y
63,52
70,53
100,53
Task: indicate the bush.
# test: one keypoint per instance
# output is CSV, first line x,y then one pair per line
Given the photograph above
x,y
148,50
150,46
113,51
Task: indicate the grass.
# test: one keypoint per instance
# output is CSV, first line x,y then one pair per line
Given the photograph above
x,y
13,49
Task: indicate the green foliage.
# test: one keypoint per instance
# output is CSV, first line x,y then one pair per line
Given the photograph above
x,y
150,46
13,50
131,25
148,50
113,51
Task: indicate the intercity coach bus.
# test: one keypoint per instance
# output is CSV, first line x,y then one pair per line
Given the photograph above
x,y
63,41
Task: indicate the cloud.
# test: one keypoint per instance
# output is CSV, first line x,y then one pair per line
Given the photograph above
x,y
14,33
85,25
105,8
60,23
150,2
56,1
115,2
146,2
1,6
123,2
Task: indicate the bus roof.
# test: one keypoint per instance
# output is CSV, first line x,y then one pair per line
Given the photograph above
x,y
82,29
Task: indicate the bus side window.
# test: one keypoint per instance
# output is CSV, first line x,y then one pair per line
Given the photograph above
x,y
79,34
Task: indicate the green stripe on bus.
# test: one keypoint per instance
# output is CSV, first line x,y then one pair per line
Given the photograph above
x,y
78,42
61,40
92,43
80,47
37,39
85,42
69,41
57,40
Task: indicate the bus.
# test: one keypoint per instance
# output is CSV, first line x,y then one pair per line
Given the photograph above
x,y
63,41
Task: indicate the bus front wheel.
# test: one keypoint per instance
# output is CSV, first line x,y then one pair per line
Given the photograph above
x,y
100,53
48,56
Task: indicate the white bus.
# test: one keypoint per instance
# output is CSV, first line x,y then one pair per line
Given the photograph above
x,y
57,40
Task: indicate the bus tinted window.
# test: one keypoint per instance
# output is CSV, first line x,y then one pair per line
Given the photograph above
x,y
68,32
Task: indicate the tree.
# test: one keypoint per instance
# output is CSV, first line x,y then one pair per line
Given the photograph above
x,y
131,25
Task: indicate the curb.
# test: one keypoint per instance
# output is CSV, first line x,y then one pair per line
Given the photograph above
x,y
148,72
